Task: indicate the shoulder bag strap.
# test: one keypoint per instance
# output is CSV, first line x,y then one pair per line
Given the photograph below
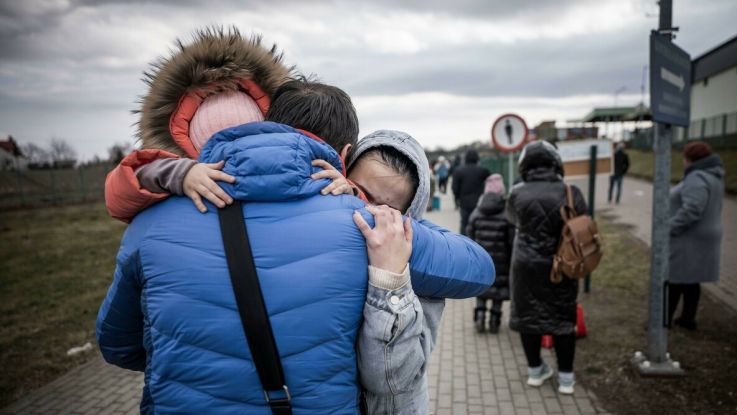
x,y
568,211
252,309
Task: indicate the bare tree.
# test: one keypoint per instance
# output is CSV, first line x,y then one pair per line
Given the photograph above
x,y
118,151
35,154
62,153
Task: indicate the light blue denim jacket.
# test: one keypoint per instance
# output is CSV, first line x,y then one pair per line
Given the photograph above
x,y
395,340
394,346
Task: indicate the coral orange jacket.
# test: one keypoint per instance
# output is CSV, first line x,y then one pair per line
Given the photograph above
x,y
124,195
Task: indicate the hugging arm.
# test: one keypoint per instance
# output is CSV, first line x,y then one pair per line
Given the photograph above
x,y
445,264
124,194
187,177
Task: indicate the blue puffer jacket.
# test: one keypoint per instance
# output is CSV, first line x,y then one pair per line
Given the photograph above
x,y
171,310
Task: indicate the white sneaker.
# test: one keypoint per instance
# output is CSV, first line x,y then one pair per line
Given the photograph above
x,y
538,376
565,385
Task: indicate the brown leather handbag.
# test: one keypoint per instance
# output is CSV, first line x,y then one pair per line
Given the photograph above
x,y
580,248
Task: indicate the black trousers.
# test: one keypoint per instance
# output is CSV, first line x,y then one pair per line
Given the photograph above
x,y
690,293
465,213
615,181
565,350
443,184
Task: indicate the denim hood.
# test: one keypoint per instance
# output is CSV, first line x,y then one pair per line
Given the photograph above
x,y
410,148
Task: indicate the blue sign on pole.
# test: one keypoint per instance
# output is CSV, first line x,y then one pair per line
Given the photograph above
x,y
670,81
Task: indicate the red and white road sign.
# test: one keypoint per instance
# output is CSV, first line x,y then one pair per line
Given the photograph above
x,y
509,133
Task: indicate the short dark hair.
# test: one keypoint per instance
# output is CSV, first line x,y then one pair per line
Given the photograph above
x,y
472,157
323,110
397,161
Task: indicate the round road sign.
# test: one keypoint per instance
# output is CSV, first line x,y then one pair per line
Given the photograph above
x,y
509,133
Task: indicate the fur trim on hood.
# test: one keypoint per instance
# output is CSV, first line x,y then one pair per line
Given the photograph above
x,y
216,60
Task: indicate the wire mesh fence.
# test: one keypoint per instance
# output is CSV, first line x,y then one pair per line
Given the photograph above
x,y
29,188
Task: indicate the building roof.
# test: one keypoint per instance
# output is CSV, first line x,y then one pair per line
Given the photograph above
x,y
716,60
640,113
609,114
11,147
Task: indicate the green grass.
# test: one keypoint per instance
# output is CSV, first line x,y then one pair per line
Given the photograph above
x,y
616,313
641,165
55,267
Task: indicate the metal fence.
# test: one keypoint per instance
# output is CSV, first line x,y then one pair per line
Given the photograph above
x,y
499,164
52,186
719,131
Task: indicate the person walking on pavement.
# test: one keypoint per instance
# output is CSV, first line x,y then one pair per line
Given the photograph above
x,y
621,165
695,230
540,306
468,186
455,164
442,169
488,226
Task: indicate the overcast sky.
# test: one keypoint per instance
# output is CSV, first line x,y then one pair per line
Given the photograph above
x,y
440,70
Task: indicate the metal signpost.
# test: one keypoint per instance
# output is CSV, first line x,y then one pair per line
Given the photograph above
x,y
670,85
509,134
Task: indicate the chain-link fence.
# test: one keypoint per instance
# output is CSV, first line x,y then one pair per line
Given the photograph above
x,y
52,186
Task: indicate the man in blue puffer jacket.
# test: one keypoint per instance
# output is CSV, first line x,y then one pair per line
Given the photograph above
x,y
171,311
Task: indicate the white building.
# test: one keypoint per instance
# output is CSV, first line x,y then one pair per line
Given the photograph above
x,y
11,158
714,94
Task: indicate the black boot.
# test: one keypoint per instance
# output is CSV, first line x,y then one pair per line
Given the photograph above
x,y
495,322
686,324
479,318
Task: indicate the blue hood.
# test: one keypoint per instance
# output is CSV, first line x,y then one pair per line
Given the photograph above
x,y
271,162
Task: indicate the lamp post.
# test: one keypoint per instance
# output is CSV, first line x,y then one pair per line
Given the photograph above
x,y
616,95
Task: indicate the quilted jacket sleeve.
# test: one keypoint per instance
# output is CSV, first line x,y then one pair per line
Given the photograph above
x,y
124,195
119,326
445,264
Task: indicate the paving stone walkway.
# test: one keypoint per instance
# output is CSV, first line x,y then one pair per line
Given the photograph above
x,y
469,373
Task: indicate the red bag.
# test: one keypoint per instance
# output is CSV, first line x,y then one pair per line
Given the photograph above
x,y
581,330
547,341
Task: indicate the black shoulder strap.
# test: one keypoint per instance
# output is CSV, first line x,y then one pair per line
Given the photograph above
x,y
252,309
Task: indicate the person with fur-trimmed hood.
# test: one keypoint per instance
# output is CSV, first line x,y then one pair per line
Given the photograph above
x,y
220,67
170,310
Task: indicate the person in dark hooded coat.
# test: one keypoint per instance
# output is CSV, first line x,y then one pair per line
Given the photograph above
x,y
468,186
540,306
489,227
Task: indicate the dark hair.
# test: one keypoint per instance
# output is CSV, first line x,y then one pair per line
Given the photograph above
x,y
472,157
323,110
397,161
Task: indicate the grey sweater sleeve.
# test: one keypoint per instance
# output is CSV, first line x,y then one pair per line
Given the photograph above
x,y
165,175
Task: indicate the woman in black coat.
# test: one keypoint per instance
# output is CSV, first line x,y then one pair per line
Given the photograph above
x,y
540,306
489,227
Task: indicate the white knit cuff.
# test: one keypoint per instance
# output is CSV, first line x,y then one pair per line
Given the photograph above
x,y
388,280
